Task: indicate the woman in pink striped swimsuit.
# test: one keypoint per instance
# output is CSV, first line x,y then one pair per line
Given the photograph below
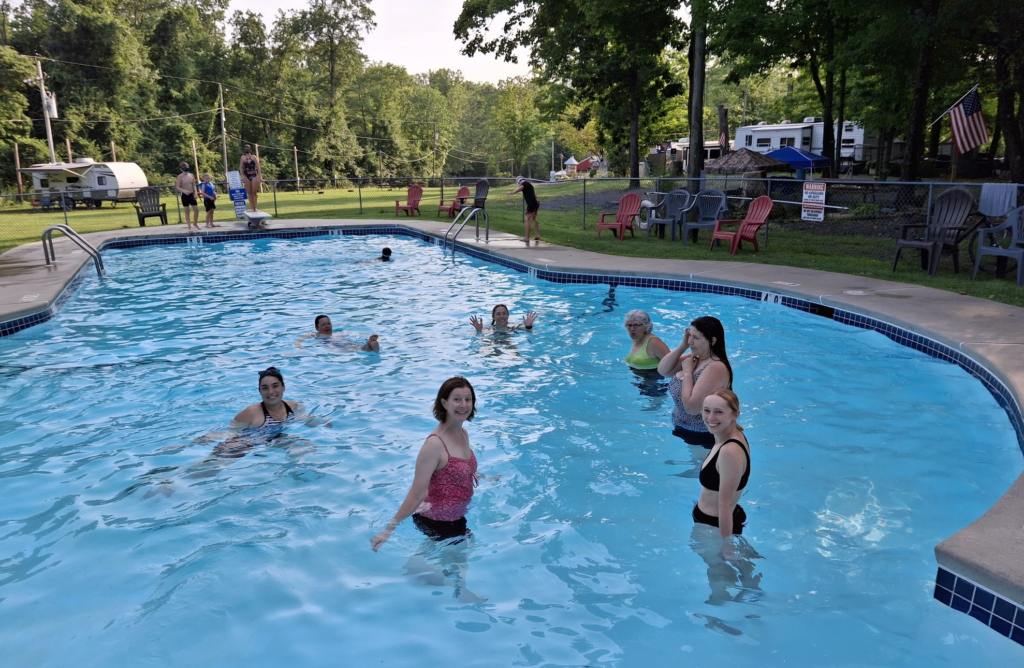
x,y
442,486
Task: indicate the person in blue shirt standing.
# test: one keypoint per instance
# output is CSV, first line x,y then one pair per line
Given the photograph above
x,y
209,194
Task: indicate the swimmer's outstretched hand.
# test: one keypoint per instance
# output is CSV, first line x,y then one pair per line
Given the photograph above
x,y
529,318
371,343
476,322
380,539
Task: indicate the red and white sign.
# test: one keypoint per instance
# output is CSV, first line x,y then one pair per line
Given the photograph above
x,y
813,208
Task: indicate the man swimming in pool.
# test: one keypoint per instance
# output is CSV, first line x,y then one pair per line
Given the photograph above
x,y
325,332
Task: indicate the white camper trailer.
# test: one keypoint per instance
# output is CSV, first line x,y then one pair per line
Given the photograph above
x,y
87,182
809,136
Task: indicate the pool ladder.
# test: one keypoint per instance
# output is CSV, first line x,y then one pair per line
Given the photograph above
x,y
51,256
472,212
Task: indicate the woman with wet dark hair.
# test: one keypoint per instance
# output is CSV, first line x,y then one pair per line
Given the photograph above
x,y
695,374
274,410
499,320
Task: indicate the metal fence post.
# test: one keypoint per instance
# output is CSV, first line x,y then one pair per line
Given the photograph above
x,y
273,189
928,218
64,208
442,187
359,187
584,203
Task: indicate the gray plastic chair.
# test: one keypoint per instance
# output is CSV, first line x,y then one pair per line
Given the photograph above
x,y
949,212
1015,223
147,205
672,207
710,205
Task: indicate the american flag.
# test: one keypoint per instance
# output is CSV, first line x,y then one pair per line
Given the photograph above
x,y
968,123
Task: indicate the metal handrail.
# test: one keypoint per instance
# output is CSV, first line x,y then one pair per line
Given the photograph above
x,y
472,212
51,256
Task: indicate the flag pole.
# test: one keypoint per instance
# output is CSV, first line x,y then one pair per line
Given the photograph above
x,y
953,106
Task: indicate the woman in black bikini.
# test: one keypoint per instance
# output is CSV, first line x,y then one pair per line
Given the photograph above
x,y
725,471
273,410
251,173
532,207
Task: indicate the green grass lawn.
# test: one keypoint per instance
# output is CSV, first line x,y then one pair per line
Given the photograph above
x,y
561,222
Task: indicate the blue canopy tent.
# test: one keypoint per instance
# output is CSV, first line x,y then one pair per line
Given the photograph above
x,y
799,159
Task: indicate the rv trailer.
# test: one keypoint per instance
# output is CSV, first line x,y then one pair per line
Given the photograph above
x,y
87,182
809,136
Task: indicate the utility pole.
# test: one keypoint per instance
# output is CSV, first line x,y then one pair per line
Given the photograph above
x,y
433,156
46,108
223,130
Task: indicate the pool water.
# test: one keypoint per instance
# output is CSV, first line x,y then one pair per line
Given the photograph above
x,y
123,542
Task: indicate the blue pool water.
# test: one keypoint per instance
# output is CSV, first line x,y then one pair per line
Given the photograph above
x,y
122,544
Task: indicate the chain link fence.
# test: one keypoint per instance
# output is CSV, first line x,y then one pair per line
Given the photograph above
x,y
855,207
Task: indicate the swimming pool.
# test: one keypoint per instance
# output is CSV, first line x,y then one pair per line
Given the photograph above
x,y
584,548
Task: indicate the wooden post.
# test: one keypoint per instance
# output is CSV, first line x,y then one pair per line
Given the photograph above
x,y
195,161
952,167
257,147
17,167
67,143
295,153
113,151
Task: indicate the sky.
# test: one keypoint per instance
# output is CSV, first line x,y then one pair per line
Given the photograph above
x,y
415,34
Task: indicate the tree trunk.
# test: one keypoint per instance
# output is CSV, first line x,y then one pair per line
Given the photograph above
x,y
826,93
698,56
634,143
842,119
934,137
723,128
1008,121
919,109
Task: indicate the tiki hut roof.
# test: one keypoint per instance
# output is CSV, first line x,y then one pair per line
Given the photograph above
x,y
745,160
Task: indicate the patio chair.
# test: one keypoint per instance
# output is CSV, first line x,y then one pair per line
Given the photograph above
x,y
412,201
757,214
1015,224
629,207
147,205
453,206
710,205
672,207
483,187
949,212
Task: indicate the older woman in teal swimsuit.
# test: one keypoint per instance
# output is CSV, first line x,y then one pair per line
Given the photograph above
x,y
647,349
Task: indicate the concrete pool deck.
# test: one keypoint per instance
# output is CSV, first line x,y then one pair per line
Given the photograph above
x,y
988,553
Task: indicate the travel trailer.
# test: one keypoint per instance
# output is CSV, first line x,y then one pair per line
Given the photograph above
x,y
808,135
87,182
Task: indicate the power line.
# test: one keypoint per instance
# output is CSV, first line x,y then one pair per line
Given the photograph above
x,y
120,120
306,127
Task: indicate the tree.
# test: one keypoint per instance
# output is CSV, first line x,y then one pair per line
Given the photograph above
x,y
608,52
332,31
517,121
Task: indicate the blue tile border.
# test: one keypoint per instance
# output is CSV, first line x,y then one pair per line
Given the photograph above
x,y
1004,617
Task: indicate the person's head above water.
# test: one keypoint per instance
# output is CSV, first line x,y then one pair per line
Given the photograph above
x,y
322,325
443,403
711,329
271,372
499,315
385,254
638,317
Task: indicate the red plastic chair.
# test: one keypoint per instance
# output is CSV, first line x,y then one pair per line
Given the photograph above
x,y
757,214
629,208
453,206
412,201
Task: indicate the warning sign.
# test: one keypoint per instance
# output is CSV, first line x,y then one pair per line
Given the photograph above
x,y
236,193
813,208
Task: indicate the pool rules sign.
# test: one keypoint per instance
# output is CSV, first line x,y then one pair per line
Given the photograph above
x,y
813,208
237,193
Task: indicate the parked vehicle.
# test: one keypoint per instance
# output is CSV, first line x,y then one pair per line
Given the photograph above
x,y
808,135
86,182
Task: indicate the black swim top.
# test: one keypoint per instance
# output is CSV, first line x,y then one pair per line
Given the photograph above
x,y
270,421
529,194
709,477
249,167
